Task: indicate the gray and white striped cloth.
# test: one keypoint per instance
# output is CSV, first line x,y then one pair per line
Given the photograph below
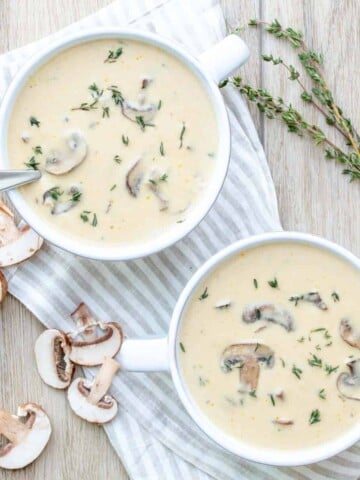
x,y
165,444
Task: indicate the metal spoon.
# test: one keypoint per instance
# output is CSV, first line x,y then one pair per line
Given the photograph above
x,y
14,178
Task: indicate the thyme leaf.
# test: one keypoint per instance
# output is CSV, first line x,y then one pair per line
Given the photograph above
x,y
34,121
113,55
204,295
314,417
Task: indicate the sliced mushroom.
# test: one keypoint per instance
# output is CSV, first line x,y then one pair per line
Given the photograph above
x,y
89,400
27,434
134,178
25,136
348,383
134,110
58,207
312,297
84,318
283,421
159,194
223,304
16,243
92,352
268,312
3,286
247,357
52,354
70,156
349,334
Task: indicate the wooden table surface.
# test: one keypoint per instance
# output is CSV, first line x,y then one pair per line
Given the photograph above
x,y
313,195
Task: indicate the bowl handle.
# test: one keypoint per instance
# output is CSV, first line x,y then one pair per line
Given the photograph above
x,y
149,354
226,56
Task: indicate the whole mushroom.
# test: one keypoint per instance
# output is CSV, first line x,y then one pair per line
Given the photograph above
x,y
27,434
89,400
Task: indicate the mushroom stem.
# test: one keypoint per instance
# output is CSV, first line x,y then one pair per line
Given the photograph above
x,y
11,427
102,381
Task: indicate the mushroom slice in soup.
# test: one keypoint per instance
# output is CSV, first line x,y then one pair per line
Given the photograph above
x,y
268,312
349,334
247,357
134,178
154,185
72,153
348,383
283,421
311,297
51,198
133,110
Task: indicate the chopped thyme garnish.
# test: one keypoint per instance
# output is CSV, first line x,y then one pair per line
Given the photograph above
x,y
159,104
301,339
330,369
37,150
55,193
255,282
322,394
296,299
116,95
106,112
314,417
32,163
113,55
140,121
182,135
95,90
113,187
94,220
204,295
321,329
85,215
335,297
315,361
253,393
223,83
297,372
257,313
75,197
164,177
125,140
117,159
273,283
202,381
182,347
282,362
162,151
86,107
272,398
34,121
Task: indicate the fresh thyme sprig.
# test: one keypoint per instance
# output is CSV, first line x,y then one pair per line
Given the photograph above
x,y
319,95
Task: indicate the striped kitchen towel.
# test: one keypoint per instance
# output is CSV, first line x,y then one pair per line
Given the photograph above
x,y
165,443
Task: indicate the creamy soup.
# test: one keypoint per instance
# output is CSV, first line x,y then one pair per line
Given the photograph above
x,y
125,136
270,346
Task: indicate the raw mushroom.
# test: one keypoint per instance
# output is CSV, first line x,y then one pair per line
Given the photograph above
x,y
348,383
134,178
134,110
27,434
247,357
16,243
312,297
73,153
3,286
89,400
268,312
349,334
83,318
52,354
92,352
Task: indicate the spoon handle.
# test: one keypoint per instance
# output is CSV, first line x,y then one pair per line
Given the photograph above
x,y
13,178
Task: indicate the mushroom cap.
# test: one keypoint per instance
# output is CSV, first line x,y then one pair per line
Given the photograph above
x,y
84,318
348,333
268,312
52,352
72,153
103,412
34,441
24,246
92,352
348,383
3,286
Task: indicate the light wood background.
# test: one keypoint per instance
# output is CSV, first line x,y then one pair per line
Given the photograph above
x,y
313,195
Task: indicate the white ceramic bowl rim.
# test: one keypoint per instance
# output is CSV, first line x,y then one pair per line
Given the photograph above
x,y
206,200
261,455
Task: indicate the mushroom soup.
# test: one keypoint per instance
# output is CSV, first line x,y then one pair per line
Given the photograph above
x,y
270,346
125,136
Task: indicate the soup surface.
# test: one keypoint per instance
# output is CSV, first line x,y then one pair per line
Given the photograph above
x,y
270,346
125,136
